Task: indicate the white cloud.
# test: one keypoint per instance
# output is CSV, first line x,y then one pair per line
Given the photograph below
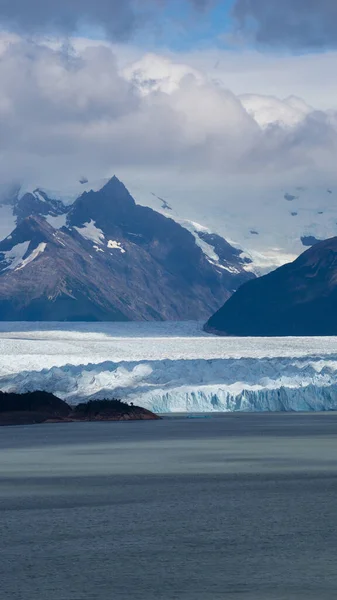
x,y
158,73
69,112
308,76
267,109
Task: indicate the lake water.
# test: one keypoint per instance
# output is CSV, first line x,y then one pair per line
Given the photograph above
x,y
237,506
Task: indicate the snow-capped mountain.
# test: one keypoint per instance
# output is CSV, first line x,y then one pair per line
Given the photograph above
x,y
106,258
273,226
298,299
38,203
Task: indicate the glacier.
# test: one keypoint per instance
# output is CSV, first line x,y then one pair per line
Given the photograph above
x,y
169,367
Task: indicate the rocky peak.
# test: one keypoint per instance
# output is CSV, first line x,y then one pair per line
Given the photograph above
x,y
111,204
37,203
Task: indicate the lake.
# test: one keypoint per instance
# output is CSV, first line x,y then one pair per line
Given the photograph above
x,y
236,506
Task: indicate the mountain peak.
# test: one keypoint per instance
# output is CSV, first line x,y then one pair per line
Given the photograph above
x,y
108,205
120,193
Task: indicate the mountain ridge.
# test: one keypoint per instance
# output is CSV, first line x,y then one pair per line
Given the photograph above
x,y
298,299
112,260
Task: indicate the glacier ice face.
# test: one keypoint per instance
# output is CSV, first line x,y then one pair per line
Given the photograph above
x,y
169,367
217,385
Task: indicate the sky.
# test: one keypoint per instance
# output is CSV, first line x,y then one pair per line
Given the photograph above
x,y
218,95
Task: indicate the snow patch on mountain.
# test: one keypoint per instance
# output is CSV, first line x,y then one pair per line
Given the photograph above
x,y
207,249
14,257
90,232
37,194
113,245
32,256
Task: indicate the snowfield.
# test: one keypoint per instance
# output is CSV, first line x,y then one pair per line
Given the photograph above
x,y
169,367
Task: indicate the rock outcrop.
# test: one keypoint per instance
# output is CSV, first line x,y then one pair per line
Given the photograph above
x,y
42,407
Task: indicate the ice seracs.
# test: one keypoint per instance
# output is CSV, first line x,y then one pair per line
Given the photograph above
x,y
307,383
215,375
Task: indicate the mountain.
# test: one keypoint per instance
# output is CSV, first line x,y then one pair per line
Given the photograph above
x,y
112,260
298,299
273,225
38,203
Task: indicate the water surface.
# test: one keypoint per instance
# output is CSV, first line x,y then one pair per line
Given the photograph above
x,y
236,506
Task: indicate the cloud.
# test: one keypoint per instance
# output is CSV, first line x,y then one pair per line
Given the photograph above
x,y
296,24
275,74
70,112
117,18
268,109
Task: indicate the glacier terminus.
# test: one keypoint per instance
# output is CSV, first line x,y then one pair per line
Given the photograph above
x,y
169,367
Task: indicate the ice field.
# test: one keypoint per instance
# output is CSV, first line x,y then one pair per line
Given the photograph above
x,y
169,367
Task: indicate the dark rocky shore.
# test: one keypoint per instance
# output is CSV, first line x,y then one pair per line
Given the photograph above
x,y
42,407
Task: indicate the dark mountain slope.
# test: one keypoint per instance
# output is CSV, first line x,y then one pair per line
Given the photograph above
x,y
37,204
297,299
115,212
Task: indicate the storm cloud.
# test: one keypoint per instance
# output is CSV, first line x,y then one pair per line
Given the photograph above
x,y
295,24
